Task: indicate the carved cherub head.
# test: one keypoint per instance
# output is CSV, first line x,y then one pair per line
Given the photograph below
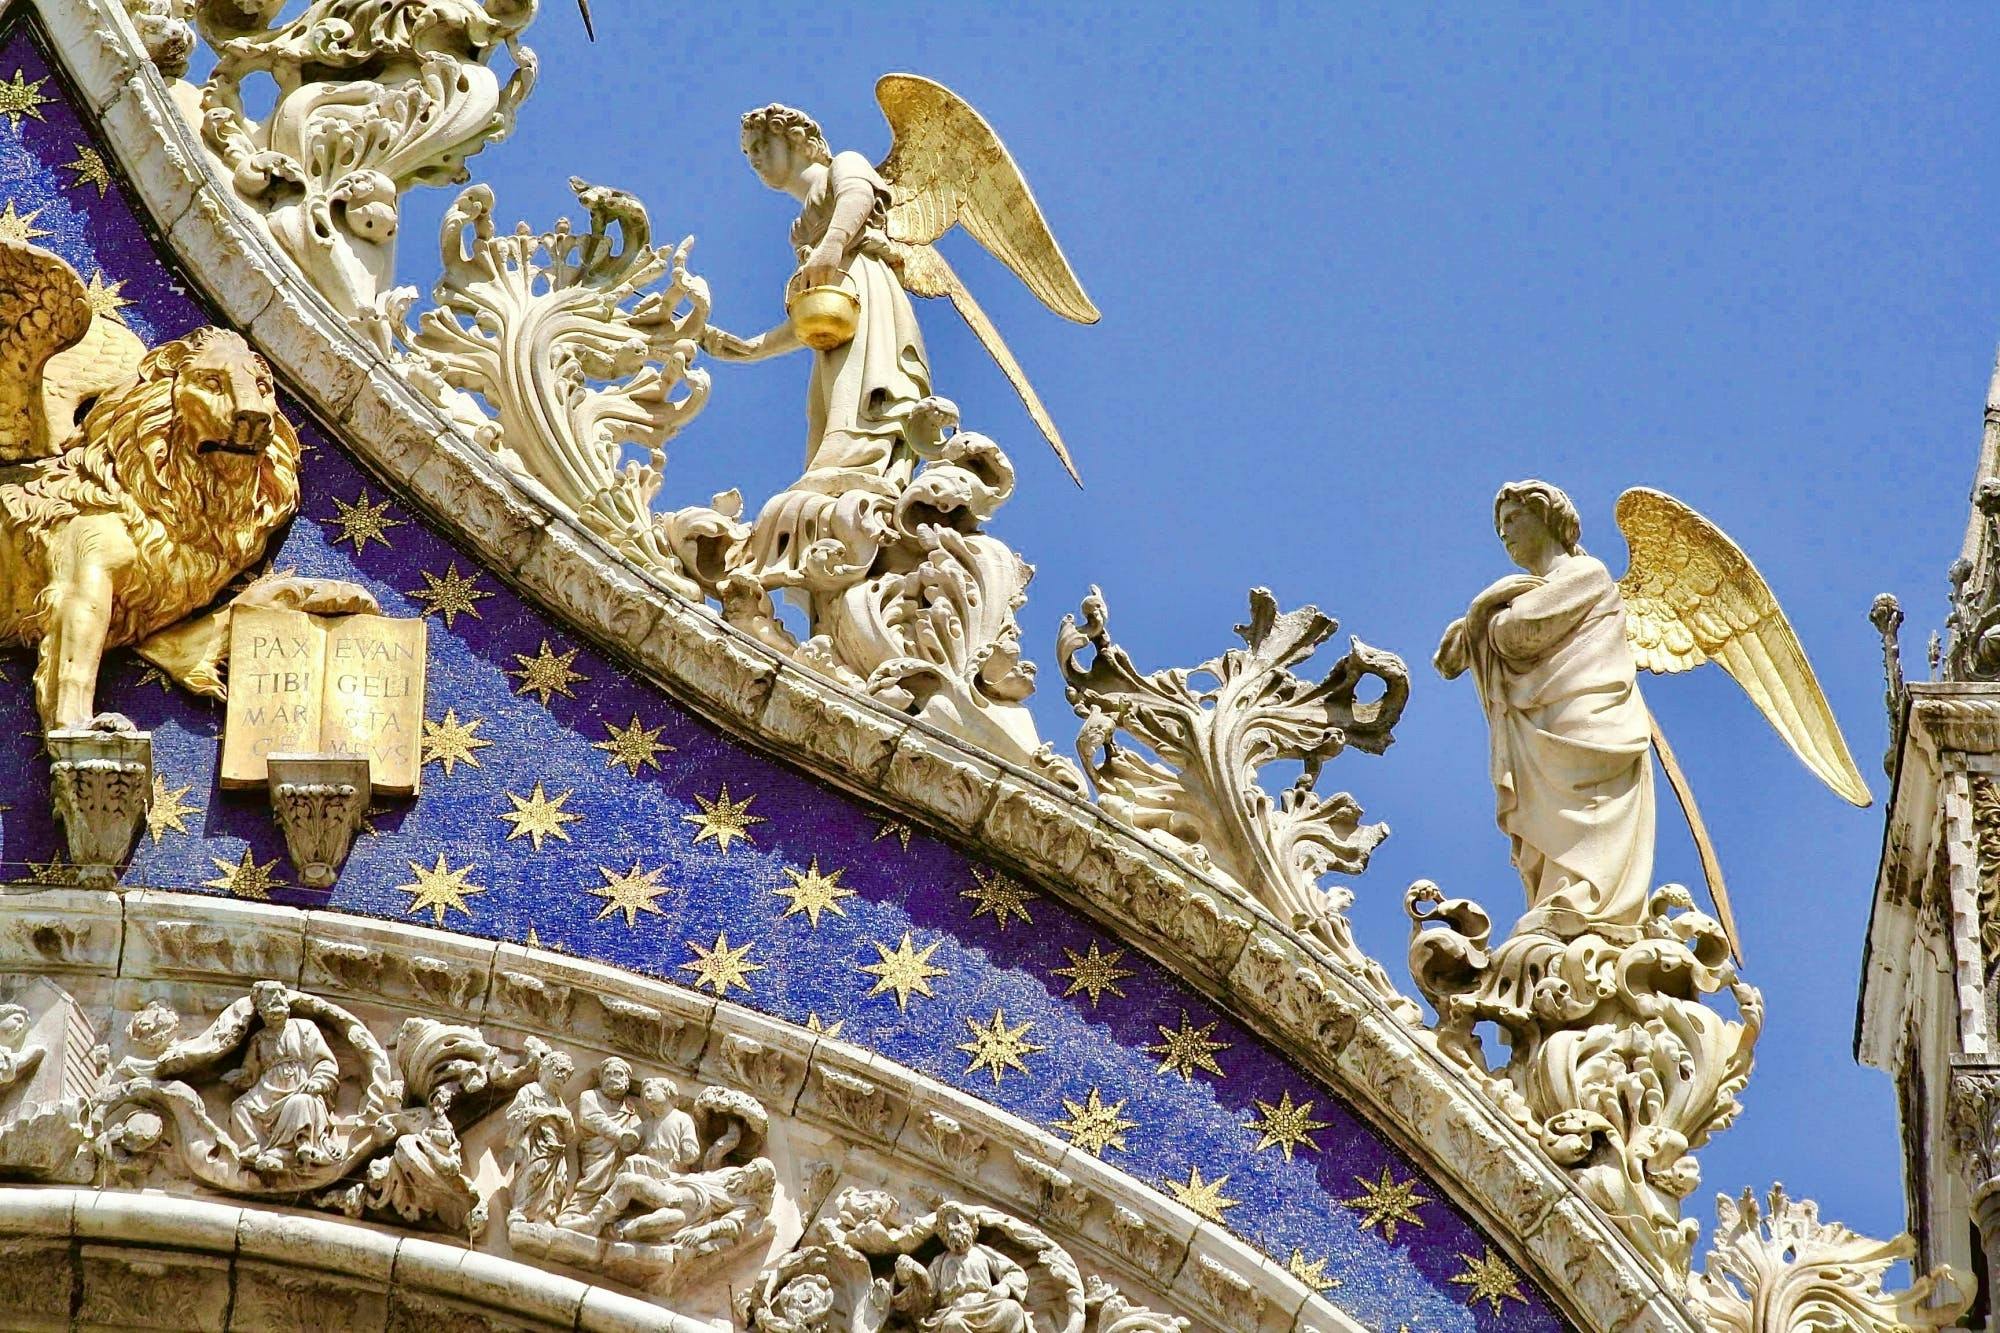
x,y
1537,523
153,1028
781,141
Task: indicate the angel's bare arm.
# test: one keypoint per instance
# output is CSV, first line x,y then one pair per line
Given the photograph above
x,y
854,200
726,346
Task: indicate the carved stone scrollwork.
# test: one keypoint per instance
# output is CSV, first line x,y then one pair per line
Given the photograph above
x,y
580,344
1782,1270
320,802
102,782
962,1268
1204,801
374,96
1614,1062
639,1187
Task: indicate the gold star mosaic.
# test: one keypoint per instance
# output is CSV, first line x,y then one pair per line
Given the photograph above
x,y
1093,1126
1285,1125
362,522
547,673
634,747
245,878
723,820
633,892
452,742
537,816
719,967
812,893
449,595
905,970
18,227
1387,1203
1203,1198
1093,973
1187,1048
1488,1278
1001,895
19,98
89,168
998,1048
439,890
169,810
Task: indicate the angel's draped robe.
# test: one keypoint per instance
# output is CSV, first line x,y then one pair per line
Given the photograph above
x,y
1571,748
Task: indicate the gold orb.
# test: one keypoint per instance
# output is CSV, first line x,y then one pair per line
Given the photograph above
x,y
823,317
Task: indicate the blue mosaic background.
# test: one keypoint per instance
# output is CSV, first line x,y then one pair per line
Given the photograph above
x,y
1201,1118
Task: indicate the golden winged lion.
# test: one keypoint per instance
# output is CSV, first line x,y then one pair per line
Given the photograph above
x,y
1556,651
134,485
871,228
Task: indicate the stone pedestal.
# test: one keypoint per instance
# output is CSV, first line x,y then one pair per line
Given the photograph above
x,y
319,801
102,784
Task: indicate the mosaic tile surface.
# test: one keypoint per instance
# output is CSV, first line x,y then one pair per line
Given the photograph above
x,y
567,803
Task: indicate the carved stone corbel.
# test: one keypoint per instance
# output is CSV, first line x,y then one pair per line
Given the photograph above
x,y
319,801
102,782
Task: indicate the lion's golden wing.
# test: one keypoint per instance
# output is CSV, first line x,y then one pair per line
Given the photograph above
x,y
43,309
1692,596
946,167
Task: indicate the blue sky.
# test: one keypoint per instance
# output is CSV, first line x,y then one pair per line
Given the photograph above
x,y
1360,266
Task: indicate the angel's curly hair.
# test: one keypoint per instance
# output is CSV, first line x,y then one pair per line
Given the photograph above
x,y
1549,504
791,123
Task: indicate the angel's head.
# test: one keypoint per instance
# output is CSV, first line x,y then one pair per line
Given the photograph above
x,y
1537,524
782,141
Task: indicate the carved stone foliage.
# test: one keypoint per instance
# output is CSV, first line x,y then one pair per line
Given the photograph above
x,y
579,344
373,96
102,782
640,1185
962,1268
1201,798
1781,1270
1986,835
320,802
1614,1062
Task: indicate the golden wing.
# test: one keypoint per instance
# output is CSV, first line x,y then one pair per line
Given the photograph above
x,y
43,310
1692,596
946,167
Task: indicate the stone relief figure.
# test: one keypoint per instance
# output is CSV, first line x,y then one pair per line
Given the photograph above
x,y
115,531
283,1117
1555,652
18,1057
541,1131
657,1187
968,1288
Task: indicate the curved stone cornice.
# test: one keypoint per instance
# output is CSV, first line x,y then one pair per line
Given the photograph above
x,y
1210,932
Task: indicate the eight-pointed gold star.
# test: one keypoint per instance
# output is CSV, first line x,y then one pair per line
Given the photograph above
x,y
1387,1201
439,889
538,816
15,227
1312,1274
1093,973
905,971
1490,1279
168,812
721,967
90,169
894,828
245,879
632,893
1000,894
449,595
1187,1050
450,741
1203,1198
812,893
56,871
723,819
546,673
633,746
1093,1126
21,98
103,299
998,1048
813,1024
1285,1125
362,522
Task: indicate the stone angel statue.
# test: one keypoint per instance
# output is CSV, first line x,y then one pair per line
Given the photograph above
x,y
1555,652
873,227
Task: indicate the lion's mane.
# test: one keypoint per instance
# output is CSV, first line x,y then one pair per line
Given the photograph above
x,y
193,529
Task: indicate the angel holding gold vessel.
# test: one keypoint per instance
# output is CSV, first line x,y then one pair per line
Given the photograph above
x,y
871,227
1555,652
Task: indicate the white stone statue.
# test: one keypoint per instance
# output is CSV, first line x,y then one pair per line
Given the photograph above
x,y
969,1288
609,1131
1555,652
289,1074
540,1131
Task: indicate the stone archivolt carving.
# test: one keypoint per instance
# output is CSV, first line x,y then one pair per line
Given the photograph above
x,y
639,1187
1614,1063
1782,1270
1204,801
579,344
373,96
962,1268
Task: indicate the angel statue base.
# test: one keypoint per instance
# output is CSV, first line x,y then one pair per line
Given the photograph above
x,y
1614,1061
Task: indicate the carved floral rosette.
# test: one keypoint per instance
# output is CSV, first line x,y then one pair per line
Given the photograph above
x,y
1614,1062
1204,801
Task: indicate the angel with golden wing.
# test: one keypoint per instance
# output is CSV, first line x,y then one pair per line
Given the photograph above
x,y
873,226
1555,652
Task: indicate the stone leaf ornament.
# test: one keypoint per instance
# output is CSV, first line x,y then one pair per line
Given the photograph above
x,y
580,344
1779,1269
373,96
1213,728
